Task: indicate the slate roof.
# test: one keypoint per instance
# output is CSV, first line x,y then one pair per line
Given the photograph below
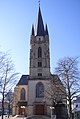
x,y
39,24
32,32
23,80
39,30
46,31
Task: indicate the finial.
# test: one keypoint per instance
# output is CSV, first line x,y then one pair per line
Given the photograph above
x,y
39,2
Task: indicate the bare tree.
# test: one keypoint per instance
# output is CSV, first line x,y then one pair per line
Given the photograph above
x,y
7,76
55,94
55,89
67,70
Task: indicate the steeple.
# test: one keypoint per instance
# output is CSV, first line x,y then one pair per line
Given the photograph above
x,y
39,50
39,24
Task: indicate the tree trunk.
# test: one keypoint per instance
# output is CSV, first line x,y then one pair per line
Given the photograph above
x,y
70,109
69,97
9,109
2,105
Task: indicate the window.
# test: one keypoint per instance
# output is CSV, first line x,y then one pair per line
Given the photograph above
x,y
39,52
22,95
39,90
39,64
76,105
39,74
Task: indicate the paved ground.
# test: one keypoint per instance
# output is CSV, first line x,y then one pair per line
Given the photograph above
x,y
38,117
15,117
30,117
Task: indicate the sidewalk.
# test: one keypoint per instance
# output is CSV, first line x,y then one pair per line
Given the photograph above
x,y
29,117
15,117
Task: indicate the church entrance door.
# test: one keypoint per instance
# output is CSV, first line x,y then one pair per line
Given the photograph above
x,y
21,110
39,109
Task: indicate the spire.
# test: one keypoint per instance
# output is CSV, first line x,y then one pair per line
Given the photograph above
x,y
39,24
46,30
32,32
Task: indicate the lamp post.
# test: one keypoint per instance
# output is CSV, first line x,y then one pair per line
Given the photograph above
x,y
53,116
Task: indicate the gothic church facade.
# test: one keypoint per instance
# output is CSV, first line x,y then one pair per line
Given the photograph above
x,y
30,94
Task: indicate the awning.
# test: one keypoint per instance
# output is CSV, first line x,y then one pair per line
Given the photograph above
x,y
22,104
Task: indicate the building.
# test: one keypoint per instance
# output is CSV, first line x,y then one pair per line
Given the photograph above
x,y
7,103
76,107
31,95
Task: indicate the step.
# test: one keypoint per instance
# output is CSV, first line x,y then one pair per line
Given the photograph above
x,y
38,117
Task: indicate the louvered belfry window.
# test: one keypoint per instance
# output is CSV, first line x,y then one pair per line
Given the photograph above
x,y
39,52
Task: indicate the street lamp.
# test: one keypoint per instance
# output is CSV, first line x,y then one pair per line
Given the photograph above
x,y
53,116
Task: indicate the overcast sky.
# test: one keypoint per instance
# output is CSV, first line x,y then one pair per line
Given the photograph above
x,y
17,17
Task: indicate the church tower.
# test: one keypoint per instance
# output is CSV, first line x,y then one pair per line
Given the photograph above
x,y
39,49
39,74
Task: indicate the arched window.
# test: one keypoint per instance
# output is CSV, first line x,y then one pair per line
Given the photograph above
x,y
39,90
39,52
22,95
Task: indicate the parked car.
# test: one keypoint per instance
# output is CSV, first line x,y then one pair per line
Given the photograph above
x,y
5,114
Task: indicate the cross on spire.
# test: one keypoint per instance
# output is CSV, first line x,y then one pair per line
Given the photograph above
x,y
39,2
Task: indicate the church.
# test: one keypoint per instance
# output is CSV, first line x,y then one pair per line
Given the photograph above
x,y
35,93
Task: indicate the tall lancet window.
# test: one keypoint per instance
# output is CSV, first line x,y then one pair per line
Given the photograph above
x,y
22,95
39,52
39,90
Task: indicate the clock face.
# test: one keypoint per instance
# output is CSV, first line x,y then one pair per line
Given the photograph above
x,y
39,39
